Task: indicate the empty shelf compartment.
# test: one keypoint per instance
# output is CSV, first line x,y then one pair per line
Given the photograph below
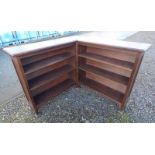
x,y
48,80
46,62
41,98
104,73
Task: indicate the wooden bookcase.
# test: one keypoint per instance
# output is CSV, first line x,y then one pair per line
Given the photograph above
x,y
47,72
110,71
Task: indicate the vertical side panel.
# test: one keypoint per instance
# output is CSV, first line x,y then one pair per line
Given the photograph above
x,y
132,78
23,81
77,63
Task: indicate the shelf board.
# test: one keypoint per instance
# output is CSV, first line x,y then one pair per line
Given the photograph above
x,y
112,76
41,56
107,82
110,67
124,56
48,80
47,95
108,61
106,91
46,62
47,69
111,60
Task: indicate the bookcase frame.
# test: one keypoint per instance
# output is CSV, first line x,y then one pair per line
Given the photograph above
x,y
47,72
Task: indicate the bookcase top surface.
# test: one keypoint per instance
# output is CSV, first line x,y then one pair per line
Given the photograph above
x,y
93,39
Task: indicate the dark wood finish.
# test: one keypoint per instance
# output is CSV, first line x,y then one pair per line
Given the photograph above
x,y
47,72
45,63
132,79
107,82
124,56
100,58
42,56
46,69
111,71
104,73
77,65
105,91
45,81
108,65
28,52
54,91
24,83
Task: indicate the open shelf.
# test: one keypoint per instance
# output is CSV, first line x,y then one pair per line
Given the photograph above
x,y
122,55
42,56
106,91
110,67
47,69
43,97
48,80
112,76
107,82
46,62
107,61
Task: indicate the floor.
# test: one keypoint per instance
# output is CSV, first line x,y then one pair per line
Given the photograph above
x,y
9,83
141,106
83,104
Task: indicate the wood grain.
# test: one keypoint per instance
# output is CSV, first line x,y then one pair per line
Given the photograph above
x,y
47,71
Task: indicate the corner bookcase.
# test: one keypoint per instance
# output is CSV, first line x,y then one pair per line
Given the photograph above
x,y
47,72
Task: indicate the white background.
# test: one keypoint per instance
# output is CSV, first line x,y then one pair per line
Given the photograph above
x,y
77,14
77,139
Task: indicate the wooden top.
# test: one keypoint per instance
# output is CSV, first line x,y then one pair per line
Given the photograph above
x,y
116,43
25,48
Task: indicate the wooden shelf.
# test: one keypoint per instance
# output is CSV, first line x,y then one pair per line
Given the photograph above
x,y
125,56
106,65
101,78
107,82
105,59
110,67
45,70
43,97
112,76
42,56
46,62
106,91
48,80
